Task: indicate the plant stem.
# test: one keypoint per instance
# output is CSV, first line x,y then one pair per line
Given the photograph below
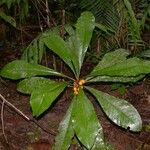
x,y
47,11
2,120
22,114
16,109
68,77
62,33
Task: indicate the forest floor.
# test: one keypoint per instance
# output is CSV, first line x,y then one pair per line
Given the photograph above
x,y
40,134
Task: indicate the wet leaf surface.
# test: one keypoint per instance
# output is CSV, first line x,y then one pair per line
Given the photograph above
x,y
16,128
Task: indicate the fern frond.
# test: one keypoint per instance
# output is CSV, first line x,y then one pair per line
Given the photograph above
x,y
104,12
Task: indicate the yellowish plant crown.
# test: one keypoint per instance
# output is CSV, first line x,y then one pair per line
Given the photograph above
x,y
77,85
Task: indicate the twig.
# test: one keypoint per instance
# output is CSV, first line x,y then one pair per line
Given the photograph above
x,y
34,3
24,32
2,81
48,24
23,115
98,46
45,130
2,120
39,19
62,23
62,33
47,12
16,109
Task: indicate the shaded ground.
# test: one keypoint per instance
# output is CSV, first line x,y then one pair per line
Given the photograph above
x,y
24,135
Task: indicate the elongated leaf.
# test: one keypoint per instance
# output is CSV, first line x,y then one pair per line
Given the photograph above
x,y
8,19
7,2
74,46
84,29
27,86
112,58
59,46
66,132
116,64
134,25
118,110
131,13
130,67
18,69
104,28
42,49
41,99
99,146
85,122
114,79
33,53
145,54
69,29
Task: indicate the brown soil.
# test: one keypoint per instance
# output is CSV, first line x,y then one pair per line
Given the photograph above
x,y
40,134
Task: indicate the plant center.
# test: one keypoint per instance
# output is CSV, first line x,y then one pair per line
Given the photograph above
x,y
77,85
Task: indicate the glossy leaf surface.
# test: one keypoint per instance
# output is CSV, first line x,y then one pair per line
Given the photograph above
x,y
116,64
41,99
114,79
74,47
18,69
27,86
127,68
84,29
66,132
112,58
60,47
99,146
118,110
85,122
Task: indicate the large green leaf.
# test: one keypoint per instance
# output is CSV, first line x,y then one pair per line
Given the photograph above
x,y
69,29
41,99
85,122
74,46
18,69
66,132
27,86
116,64
118,110
127,68
114,79
99,146
84,29
112,58
73,52
60,47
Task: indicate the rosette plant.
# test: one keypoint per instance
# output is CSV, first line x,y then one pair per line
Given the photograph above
x,y
80,119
